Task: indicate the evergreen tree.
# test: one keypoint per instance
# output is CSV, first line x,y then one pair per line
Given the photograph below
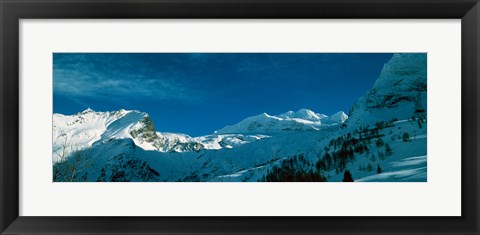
x,y
379,169
347,177
388,150
369,167
379,142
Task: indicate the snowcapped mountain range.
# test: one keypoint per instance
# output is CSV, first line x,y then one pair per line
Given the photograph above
x,y
89,128
303,119
383,139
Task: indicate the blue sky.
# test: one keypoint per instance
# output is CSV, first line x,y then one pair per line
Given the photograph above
x,y
198,93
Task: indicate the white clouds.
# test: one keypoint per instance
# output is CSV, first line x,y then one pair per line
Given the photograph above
x,y
81,79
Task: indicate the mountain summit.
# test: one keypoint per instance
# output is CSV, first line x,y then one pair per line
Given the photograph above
x,y
399,92
303,119
305,114
89,127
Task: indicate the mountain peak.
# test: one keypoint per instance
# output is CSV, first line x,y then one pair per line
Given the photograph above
x,y
88,110
263,115
399,91
303,119
339,116
303,113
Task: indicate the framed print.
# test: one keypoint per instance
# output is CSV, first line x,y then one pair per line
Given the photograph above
x,y
239,117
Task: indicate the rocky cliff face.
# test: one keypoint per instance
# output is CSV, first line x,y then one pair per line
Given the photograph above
x,y
399,92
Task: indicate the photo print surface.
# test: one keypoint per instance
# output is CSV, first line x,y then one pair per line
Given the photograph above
x,y
239,117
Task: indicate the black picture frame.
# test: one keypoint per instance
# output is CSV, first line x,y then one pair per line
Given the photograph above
x,y
12,11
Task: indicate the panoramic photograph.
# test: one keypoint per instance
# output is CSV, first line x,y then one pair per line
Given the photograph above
x,y
239,117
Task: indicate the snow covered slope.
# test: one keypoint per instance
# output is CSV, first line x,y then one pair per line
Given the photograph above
x,y
305,114
400,91
80,130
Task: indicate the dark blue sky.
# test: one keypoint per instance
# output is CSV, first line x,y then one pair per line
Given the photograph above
x,y
198,93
